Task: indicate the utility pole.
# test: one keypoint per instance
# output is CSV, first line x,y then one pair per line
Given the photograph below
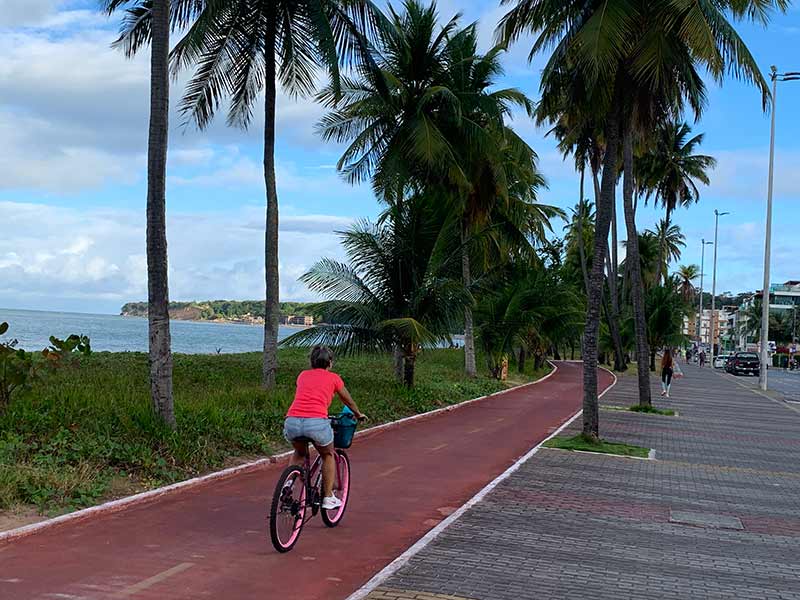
x,y
714,319
776,77
703,244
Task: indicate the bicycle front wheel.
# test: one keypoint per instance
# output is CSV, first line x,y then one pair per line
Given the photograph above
x,y
288,510
341,487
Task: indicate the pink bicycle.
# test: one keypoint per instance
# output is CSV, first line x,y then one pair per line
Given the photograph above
x,y
298,493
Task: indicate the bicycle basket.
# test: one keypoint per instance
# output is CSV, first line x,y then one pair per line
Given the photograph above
x,y
344,428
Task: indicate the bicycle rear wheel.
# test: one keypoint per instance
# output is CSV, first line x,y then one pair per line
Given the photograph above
x,y
341,487
288,510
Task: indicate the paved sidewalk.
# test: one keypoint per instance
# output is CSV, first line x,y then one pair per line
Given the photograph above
x,y
781,384
716,515
211,541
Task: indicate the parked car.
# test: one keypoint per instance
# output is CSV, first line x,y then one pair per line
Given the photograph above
x,y
721,360
744,363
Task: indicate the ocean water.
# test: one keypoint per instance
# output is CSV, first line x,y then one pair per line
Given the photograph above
x,y
119,334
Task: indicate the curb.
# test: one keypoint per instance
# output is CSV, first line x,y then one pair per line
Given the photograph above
x,y
150,496
399,562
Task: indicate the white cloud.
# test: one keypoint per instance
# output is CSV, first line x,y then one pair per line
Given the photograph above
x,y
742,173
67,97
26,13
55,255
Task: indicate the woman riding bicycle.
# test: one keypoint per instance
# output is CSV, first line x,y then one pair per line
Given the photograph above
x,y
308,417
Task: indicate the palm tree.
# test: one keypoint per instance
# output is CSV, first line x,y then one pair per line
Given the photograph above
x,y
666,309
579,232
159,342
669,170
428,118
670,241
395,293
641,62
688,274
239,49
527,310
750,323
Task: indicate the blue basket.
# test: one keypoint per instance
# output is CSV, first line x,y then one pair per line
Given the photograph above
x,y
344,428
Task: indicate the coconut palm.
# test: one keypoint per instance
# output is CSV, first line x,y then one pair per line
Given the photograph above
x,y
526,311
239,48
666,309
395,292
670,242
641,62
688,274
159,342
429,117
669,171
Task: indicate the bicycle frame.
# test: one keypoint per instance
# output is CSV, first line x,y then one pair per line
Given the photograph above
x,y
312,480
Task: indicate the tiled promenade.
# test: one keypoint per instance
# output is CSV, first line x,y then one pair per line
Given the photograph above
x,y
715,515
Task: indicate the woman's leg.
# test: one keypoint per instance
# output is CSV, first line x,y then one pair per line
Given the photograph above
x,y
668,377
663,381
328,469
300,453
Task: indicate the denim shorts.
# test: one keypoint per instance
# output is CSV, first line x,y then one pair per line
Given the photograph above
x,y
317,430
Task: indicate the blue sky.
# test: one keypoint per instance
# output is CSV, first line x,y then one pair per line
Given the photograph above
x,y
73,128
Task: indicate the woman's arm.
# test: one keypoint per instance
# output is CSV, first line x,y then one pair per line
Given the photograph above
x,y
347,399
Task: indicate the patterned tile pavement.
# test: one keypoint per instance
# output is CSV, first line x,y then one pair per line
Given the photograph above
x,y
715,515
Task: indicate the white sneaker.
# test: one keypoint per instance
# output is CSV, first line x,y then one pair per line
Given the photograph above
x,y
331,502
667,394
663,393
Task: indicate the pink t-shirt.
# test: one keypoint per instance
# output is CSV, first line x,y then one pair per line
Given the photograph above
x,y
315,390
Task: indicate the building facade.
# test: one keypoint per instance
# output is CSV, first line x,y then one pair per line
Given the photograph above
x,y
709,333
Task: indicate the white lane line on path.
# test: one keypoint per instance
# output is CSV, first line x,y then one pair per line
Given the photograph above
x,y
476,430
439,447
151,581
759,392
390,471
399,562
149,496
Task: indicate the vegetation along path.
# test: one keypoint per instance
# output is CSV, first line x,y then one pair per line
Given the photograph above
x,y
212,541
715,515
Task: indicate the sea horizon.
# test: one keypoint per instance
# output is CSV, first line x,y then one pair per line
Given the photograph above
x,y
109,332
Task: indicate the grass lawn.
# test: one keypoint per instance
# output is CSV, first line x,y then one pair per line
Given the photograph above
x,y
652,410
86,433
580,443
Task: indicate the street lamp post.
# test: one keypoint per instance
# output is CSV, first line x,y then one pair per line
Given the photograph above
x,y
714,322
703,244
776,77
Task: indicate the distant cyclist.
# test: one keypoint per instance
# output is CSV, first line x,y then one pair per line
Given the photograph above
x,y
308,417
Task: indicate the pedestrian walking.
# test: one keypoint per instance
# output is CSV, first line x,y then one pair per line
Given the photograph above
x,y
702,358
666,372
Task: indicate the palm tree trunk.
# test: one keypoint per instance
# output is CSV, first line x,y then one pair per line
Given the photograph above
x,y
272,307
398,363
662,243
409,363
469,330
612,313
521,361
591,415
634,264
157,282
581,247
611,265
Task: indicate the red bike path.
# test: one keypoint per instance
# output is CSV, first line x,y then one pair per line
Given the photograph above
x,y
212,541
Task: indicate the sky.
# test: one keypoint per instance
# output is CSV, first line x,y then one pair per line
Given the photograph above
x,y
73,141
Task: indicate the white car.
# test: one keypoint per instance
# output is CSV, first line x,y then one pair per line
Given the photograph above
x,y
720,360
